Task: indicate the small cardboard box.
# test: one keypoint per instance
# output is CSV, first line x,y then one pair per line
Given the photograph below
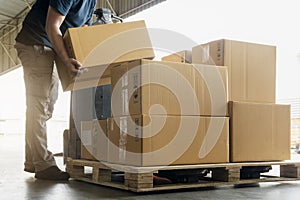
x,y
99,46
259,132
182,57
168,88
251,68
143,140
94,139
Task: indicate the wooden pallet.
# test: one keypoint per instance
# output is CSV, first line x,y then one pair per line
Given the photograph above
x,y
140,179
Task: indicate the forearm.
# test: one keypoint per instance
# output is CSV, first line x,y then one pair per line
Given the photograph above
x,y
57,42
53,23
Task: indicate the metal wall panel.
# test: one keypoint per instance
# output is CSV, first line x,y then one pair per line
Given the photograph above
x,y
8,32
8,54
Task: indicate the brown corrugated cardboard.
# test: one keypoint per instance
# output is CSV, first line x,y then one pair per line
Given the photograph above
x,y
90,78
182,57
251,68
259,132
102,45
94,139
168,88
143,140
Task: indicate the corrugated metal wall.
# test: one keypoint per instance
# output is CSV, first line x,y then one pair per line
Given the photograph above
x,y
8,32
8,57
127,8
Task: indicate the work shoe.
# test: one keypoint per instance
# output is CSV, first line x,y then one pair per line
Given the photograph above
x,y
160,180
52,173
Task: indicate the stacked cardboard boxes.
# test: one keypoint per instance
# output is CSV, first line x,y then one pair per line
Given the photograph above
x,y
171,112
164,114
98,48
181,56
259,128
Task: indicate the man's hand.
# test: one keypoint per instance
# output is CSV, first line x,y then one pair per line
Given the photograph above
x,y
73,65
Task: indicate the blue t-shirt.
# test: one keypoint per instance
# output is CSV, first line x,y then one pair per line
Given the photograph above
x,y
76,12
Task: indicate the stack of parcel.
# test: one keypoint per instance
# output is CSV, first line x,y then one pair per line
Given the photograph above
x,y
176,112
259,128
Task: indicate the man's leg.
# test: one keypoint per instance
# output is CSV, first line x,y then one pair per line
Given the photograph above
x,y
53,94
38,67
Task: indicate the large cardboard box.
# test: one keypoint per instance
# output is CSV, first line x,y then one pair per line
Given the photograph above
x,y
182,57
251,68
259,132
97,47
159,88
143,140
94,137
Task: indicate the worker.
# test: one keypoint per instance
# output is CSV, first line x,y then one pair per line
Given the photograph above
x,y
39,45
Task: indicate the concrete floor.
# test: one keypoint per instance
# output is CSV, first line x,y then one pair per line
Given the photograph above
x,y
16,184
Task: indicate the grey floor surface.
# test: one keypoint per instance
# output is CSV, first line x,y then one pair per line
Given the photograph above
x,y
16,184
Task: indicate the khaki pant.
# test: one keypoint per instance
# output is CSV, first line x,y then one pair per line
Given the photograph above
x,y
41,83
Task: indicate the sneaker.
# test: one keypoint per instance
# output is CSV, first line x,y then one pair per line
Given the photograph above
x,y
52,173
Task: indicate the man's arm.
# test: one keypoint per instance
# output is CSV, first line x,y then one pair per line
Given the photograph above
x,y
53,23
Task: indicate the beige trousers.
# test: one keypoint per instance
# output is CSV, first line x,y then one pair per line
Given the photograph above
x,y
41,83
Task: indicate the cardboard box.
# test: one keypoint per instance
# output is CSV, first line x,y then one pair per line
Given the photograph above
x,y
93,77
94,137
259,132
97,47
251,68
168,88
143,140
182,57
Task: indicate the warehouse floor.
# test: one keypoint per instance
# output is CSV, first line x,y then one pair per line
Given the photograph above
x,y
16,184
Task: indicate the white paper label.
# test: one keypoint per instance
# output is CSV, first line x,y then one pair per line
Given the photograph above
x,y
135,80
125,101
205,54
86,137
123,139
137,130
125,80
